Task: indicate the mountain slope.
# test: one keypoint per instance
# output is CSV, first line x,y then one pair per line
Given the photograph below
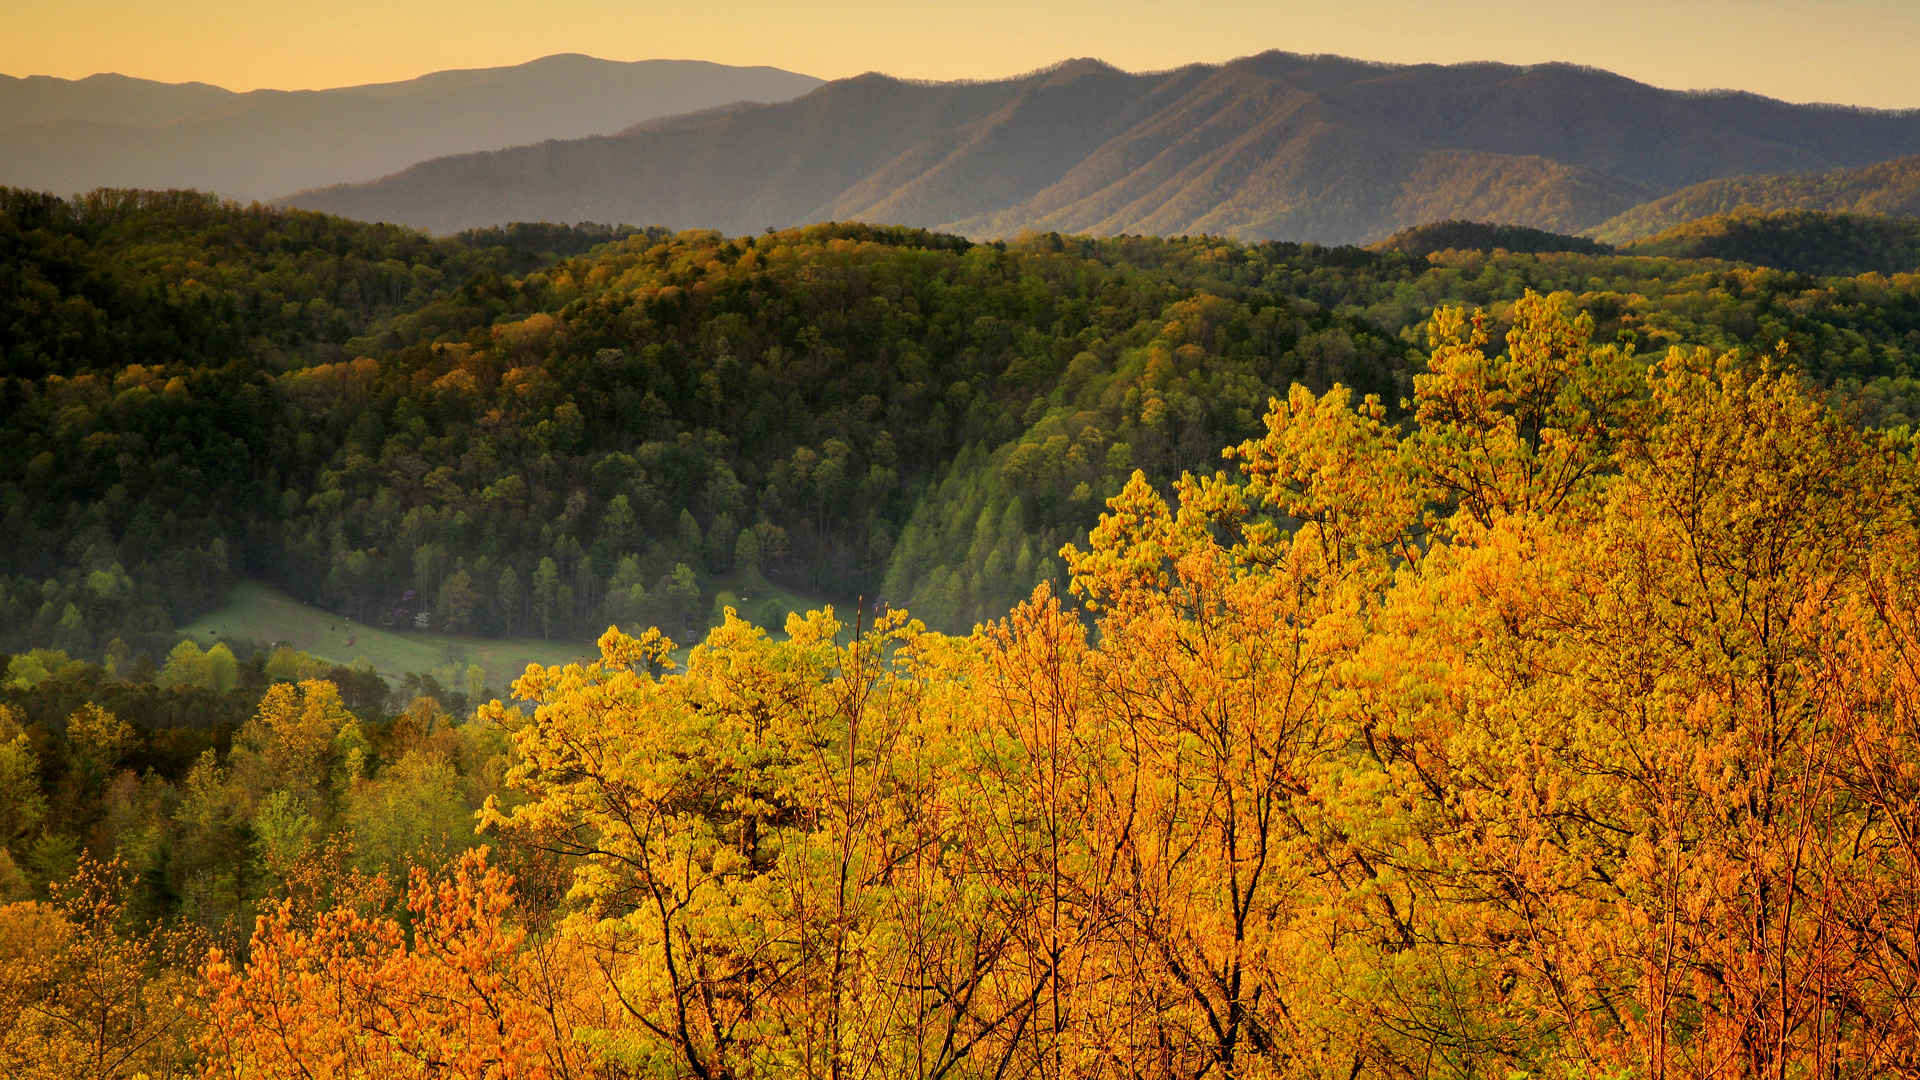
x,y
1809,241
112,131
1888,188
1270,146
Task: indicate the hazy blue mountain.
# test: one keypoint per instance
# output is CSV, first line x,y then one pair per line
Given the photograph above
x,y
1270,146
112,131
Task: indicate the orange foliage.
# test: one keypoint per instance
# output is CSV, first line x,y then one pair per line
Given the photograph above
x,y
358,995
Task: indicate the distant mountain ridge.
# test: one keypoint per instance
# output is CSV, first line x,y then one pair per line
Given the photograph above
x,y
67,136
1274,146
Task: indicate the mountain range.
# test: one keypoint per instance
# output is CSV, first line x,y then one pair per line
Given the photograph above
x,y
108,130
1274,146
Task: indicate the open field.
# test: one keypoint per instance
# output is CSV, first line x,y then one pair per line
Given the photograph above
x,y
260,613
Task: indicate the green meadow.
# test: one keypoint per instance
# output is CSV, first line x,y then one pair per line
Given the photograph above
x,y
263,615
260,614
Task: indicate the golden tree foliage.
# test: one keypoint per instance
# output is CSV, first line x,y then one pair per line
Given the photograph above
x,y
98,736
84,994
353,994
1570,728
772,875
298,737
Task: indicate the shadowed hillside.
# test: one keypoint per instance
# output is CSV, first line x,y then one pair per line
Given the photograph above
x,y
1808,241
1270,146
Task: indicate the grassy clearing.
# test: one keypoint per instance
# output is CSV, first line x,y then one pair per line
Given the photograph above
x,y
262,614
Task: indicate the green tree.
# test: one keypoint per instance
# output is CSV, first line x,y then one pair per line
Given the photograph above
x,y
223,669
746,553
187,666
71,634
507,600
457,602
22,805
546,595
678,599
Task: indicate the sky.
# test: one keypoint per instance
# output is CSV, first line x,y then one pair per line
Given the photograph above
x,y
1855,52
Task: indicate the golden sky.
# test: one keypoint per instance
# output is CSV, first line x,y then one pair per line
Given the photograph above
x,y
1858,52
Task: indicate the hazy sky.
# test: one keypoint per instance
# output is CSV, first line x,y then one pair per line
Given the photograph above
x,y
1863,52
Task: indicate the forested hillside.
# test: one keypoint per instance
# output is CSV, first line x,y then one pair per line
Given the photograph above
x,y
494,435
1424,240
1808,241
1886,189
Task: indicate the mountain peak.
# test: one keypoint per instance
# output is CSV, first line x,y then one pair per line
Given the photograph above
x,y
1079,65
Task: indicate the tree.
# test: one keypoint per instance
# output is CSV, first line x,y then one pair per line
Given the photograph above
x,y
415,813
354,994
223,669
119,659
617,527
677,598
187,666
751,846
99,738
546,595
301,740
83,995
71,634
746,553
22,803
1520,432
508,602
458,601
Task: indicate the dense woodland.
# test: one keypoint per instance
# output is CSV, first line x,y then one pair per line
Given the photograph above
x,y
1803,240
546,430
1558,722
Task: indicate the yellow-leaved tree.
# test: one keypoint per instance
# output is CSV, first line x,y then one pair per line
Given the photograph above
x,y
83,992
1565,726
770,868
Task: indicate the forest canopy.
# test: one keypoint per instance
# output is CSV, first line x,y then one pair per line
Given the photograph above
x,y
1557,724
542,430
